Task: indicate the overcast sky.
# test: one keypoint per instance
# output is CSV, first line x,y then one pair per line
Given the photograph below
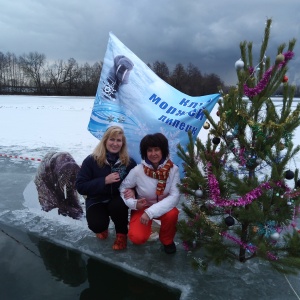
x,y
206,33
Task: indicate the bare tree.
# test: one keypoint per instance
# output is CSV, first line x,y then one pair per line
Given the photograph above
x,y
71,76
179,77
95,76
32,64
3,65
55,77
89,79
161,69
211,84
195,81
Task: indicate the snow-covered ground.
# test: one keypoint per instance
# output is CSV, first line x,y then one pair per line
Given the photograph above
x,y
32,124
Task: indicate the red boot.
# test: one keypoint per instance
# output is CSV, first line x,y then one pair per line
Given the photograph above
x,y
102,235
120,242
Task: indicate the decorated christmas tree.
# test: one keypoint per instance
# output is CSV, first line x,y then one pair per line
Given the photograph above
x,y
241,185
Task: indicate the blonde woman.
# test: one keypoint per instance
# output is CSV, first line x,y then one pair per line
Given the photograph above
x,y
99,179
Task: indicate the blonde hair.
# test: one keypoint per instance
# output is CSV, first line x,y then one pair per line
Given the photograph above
x,y
99,152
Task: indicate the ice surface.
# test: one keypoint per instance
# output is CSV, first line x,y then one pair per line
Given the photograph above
x,y
35,126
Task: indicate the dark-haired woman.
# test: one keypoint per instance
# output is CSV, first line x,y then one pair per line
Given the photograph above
x,y
155,181
99,179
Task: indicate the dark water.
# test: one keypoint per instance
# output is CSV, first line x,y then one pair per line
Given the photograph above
x,y
33,268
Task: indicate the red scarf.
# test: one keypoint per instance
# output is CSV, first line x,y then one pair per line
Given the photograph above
x,y
161,174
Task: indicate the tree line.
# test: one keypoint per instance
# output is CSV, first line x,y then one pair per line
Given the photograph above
x,y
32,74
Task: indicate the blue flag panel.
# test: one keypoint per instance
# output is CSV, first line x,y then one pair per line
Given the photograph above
x,y
131,95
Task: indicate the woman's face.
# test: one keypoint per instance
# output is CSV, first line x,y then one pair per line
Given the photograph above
x,y
114,143
154,154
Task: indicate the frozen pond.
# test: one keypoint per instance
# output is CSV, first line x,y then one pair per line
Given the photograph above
x,y
62,127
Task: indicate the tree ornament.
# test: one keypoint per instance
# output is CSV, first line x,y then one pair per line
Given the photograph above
x,y
289,174
229,137
259,161
264,59
218,113
285,79
206,125
216,140
279,58
275,236
199,193
281,146
229,221
239,64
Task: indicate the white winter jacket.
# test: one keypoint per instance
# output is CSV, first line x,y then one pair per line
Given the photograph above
x,y
146,188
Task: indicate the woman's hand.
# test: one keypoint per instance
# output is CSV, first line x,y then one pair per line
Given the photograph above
x,y
144,219
141,203
112,178
129,193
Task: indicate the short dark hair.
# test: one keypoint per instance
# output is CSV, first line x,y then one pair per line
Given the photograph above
x,y
154,140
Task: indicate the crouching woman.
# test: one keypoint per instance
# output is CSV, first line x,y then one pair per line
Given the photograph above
x,y
99,179
155,181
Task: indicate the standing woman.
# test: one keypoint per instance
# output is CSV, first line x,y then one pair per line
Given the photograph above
x,y
99,179
155,181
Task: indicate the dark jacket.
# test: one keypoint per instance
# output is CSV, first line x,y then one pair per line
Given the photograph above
x,y
90,180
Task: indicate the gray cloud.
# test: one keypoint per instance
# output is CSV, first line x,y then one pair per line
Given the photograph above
x,y
204,33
